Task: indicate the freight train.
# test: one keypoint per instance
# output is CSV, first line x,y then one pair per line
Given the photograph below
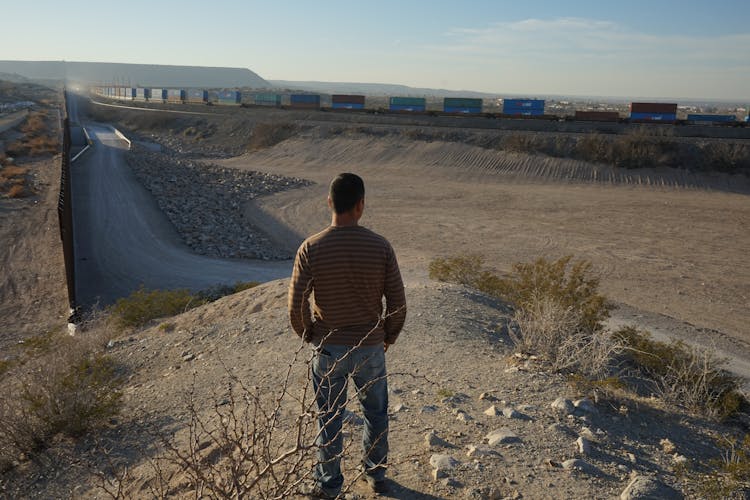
x,y
640,112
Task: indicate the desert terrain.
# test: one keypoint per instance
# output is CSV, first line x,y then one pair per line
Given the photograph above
x,y
667,244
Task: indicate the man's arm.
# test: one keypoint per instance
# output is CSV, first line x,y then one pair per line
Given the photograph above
x,y
395,300
300,288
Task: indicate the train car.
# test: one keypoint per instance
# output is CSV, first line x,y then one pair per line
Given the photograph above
x,y
267,100
229,98
304,101
342,101
408,104
142,94
653,112
196,96
128,93
597,116
176,96
653,117
462,105
523,107
158,95
698,119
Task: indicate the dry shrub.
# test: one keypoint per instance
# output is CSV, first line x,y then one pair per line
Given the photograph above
x,y
143,305
18,191
266,135
681,374
256,441
548,328
730,474
67,387
558,308
726,157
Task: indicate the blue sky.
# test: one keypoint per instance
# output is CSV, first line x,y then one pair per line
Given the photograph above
x,y
630,48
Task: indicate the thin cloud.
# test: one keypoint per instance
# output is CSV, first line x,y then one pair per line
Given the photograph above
x,y
579,39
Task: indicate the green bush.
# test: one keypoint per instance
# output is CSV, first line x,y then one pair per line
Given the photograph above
x,y
571,287
683,374
69,389
83,395
144,305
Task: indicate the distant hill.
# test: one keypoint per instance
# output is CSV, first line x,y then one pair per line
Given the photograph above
x,y
136,75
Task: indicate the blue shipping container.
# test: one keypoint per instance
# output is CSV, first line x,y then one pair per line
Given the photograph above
x,y
347,105
523,112
460,109
523,103
397,107
229,97
654,117
197,95
712,118
304,99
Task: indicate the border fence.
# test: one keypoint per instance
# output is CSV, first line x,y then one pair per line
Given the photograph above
x,y
65,216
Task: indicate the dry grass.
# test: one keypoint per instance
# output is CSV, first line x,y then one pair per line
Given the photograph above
x,y
266,135
40,139
13,182
682,374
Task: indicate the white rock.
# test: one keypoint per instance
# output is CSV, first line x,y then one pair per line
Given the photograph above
x,y
646,488
432,439
564,405
581,465
492,411
443,462
399,407
480,451
511,413
585,405
502,436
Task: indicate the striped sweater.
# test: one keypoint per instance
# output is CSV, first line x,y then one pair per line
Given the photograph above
x,y
348,270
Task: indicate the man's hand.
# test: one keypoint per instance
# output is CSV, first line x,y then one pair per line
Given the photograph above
x,y
386,345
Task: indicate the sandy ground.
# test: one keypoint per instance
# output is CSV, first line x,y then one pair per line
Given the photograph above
x,y
665,250
33,294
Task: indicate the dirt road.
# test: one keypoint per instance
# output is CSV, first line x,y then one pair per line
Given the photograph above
x,y
124,241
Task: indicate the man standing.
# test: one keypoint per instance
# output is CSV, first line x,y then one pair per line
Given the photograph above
x,y
349,269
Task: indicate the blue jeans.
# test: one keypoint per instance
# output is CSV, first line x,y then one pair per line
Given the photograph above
x,y
332,365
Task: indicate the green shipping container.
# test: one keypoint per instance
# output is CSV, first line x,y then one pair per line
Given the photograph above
x,y
408,101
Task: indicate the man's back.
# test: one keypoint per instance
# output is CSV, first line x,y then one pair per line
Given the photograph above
x,y
350,269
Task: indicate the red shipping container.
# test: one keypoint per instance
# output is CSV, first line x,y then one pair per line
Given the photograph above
x,y
348,99
653,107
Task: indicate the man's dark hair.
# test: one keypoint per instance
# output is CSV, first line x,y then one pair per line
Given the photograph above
x,y
346,190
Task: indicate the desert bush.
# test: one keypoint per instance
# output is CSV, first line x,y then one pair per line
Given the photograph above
x,y
69,387
555,331
568,286
266,135
683,374
724,157
559,312
143,305
571,286
729,477
520,143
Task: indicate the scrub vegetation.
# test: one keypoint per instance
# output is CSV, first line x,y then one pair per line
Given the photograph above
x,y
559,315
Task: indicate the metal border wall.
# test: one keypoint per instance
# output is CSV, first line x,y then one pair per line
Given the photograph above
x,y
65,215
